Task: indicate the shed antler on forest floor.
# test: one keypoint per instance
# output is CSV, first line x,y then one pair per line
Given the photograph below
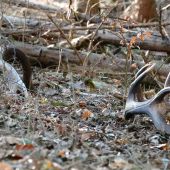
x,y
156,107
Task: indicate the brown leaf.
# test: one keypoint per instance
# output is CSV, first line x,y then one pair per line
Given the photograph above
x,y
62,129
5,166
87,136
132,41
117,82
47,164
148,34
133,67
82,104
61,154
144,35
121,141
86,114
24,147
141,37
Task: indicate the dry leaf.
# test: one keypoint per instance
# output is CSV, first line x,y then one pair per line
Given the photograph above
x,y
47,164
148,34
82,104
61,129
117,82
141,37
5,166
144,35
121,141
61,154
132,41
133,67
87,136
86,114
24,147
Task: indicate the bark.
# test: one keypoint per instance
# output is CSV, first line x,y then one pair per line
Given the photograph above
x,y
48,57
13,21
153,43
31,4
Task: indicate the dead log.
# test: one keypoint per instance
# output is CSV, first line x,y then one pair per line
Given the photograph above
x,y
32,4
13,21
46,57
153,43
87,17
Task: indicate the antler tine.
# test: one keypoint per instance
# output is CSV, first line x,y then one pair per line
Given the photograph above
x,y
161,94
140,75
156,117
167,81
139,93
142,69
152,107
131,104
159,122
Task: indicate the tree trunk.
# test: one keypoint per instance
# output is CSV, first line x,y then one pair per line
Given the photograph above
x,y
142,11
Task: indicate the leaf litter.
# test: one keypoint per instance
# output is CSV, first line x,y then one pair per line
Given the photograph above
x,y
71,126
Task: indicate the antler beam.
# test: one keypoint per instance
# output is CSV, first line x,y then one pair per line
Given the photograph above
x,y
154,107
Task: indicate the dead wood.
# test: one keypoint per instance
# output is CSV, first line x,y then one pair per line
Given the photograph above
x,y
153,43
19,21
32,4
13,21
47,57
86,17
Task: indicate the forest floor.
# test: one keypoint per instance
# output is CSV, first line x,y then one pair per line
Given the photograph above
x,y
77,123
72,125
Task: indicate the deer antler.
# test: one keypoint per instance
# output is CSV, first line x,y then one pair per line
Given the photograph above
x,y
154,107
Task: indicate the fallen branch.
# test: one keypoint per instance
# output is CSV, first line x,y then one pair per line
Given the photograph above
x,y
32,4
154,43
47,57
13,21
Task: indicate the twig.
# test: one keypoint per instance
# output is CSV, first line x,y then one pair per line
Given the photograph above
x,y
161,28
62,33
